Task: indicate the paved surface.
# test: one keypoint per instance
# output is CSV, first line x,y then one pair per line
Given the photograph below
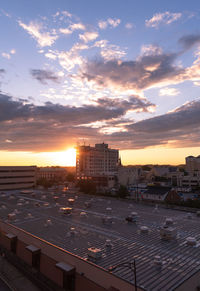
x,y
4,287
15,279
77,232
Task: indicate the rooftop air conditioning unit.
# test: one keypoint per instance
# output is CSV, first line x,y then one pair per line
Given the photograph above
x,y
168,233
94,253
29,215
83,214
11,216
144,229
169,221
66,210
108,244
71,201
191,241
133,217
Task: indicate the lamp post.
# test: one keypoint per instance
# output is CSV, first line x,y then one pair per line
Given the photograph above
x,y
130,265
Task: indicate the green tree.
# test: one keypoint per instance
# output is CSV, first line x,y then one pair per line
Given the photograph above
x,y
87,186
122,192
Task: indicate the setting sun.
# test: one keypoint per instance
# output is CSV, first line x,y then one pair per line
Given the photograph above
x,y
65,158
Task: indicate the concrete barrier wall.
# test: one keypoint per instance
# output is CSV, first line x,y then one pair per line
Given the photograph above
x,y
23,253
48,268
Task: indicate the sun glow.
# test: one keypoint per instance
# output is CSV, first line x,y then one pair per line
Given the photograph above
x,y
65,158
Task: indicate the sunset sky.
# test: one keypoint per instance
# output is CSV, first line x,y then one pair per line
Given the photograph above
x,y
123,72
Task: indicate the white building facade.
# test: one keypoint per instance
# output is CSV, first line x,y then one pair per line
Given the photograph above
x,y
16,177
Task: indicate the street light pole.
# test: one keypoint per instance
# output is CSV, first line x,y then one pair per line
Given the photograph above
x,y
132,266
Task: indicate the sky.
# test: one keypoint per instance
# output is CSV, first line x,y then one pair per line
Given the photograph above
x,y
122,72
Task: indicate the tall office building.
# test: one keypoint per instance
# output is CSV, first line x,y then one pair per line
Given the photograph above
x,y
99,163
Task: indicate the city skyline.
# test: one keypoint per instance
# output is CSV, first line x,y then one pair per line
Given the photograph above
x,y
93,72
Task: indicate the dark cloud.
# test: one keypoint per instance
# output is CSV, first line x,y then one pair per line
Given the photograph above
x,y
43,76
180,128
50,126
189,41
53,126
153,68
143,73
2,71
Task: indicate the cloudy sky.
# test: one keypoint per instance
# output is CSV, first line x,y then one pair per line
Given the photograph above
x,y
123,72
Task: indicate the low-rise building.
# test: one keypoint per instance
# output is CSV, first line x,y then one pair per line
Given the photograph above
x,y
155,193
128,175
17,177
51,173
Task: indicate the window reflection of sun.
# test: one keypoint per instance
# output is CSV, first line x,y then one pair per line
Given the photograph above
x,y
65,158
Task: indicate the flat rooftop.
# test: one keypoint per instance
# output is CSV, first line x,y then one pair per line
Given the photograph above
x,y
40,215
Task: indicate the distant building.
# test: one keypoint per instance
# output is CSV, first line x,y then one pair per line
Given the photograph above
x,y
192,164
191,181
155,193
128,175
99,164
51,173
12,177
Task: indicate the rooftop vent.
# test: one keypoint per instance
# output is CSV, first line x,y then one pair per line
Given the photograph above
x,y
94,253
108,244
11,197
191,241
144,229
133,217
83,214
48,222
168,233
158,261
66,210
19,204
29,215
169,221
72,231
71,201
11,216
189,216
107,220
156,208
88,204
